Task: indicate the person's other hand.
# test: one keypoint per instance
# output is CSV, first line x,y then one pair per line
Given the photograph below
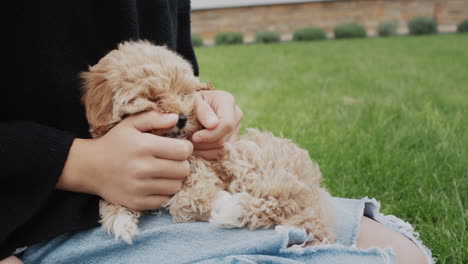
x,y
11,260
127,166
219,114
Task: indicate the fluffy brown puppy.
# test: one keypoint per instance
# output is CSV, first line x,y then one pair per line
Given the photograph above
x,y
260,181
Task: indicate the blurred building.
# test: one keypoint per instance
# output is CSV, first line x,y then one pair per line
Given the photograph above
x,y
285,16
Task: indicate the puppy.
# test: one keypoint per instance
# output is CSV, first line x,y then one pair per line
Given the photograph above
x,y
258,182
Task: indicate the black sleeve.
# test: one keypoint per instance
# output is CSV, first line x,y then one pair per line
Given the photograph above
x,y
32,157
184,38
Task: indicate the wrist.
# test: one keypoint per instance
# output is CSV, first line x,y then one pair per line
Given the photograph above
x,y
77,168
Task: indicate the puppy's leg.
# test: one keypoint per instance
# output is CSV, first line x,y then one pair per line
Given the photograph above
x,y
194,201
227,210
317,219
118,221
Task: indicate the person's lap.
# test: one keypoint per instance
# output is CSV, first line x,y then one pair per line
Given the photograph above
x,y
162,241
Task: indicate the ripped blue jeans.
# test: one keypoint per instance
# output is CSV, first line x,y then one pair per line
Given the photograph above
x,y
163,241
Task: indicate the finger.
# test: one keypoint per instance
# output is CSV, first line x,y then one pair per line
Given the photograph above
x,y
231,137
168,169
215,145
205,114
229,115
168,148
235,134
209,154
152,120
162,186
239,114
151,202
224,127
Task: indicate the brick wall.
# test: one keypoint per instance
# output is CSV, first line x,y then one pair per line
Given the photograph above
x,y
287,18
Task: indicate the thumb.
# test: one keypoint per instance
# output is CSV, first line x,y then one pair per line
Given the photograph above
x,y
205,114
152,120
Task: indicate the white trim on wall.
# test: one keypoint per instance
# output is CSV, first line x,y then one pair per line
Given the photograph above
x,y
213,4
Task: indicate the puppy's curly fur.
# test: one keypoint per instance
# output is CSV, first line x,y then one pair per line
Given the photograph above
x,y
260,181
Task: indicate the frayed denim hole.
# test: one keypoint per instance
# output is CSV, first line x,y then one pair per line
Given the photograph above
x,y
372,210
357,228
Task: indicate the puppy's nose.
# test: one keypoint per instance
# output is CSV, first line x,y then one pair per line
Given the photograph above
x,y
182,121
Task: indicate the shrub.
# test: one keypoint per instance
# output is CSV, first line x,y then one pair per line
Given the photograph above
x,y
387,28
267,37
224,38
197,40
309,33
422,25
350,30
463,26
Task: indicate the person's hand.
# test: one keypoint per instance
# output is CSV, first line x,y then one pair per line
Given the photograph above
x,y
219,114
127,166
11,260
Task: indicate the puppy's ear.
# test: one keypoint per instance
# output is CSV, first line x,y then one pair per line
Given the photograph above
x,y
205,86
97,99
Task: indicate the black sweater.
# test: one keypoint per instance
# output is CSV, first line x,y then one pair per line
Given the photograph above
x,y
47,44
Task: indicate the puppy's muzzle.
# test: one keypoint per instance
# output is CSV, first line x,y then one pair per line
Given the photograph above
x,y
182,121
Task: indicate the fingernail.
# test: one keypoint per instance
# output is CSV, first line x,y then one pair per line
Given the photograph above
x,y
212,120
170,117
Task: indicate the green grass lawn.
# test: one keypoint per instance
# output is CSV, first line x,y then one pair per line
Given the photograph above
x,y
384,118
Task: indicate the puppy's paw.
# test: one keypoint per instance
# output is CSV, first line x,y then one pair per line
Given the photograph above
x,y
227,211
119,222
125,227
